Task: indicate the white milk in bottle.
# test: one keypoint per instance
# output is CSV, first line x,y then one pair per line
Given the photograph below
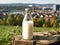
x,y
27,26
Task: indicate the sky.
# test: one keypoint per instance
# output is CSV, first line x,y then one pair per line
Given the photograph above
x,y
30,1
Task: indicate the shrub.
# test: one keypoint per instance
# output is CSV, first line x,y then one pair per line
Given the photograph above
x,y
58,22
44,25
4,21
15,20
35,21
10,20
19,20
38,22
1,22
47,23
55,22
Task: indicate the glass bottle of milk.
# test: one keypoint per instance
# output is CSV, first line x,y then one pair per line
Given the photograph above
x,y
27,26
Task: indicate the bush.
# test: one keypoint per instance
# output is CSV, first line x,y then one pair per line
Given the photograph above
x,y
35,21
19,20
41,22
15,20
44,25
1,22
55,22
10,20
4,21
47,23
38,22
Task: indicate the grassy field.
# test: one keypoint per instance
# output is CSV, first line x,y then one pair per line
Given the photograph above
x,y
7,32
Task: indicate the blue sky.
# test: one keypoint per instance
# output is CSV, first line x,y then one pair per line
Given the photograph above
x,y
30,1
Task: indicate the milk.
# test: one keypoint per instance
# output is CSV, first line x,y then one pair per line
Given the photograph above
x,y
27,30
27,26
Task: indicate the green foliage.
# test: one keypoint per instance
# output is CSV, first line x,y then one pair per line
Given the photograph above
x,y
1,21
55,22
44,25
19,20
47,23
42,22
8,32
14,20
38,22
10,20
35,21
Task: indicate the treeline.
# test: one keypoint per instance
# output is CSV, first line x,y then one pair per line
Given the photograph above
x,y
39,22
43,22
12,20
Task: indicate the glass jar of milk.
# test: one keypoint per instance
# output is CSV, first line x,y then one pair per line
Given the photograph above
x,y
27,26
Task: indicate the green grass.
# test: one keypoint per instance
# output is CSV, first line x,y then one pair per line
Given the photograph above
x,y
7,32
41,29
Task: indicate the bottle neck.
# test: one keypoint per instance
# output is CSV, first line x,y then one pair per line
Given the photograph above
x,y
27,17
